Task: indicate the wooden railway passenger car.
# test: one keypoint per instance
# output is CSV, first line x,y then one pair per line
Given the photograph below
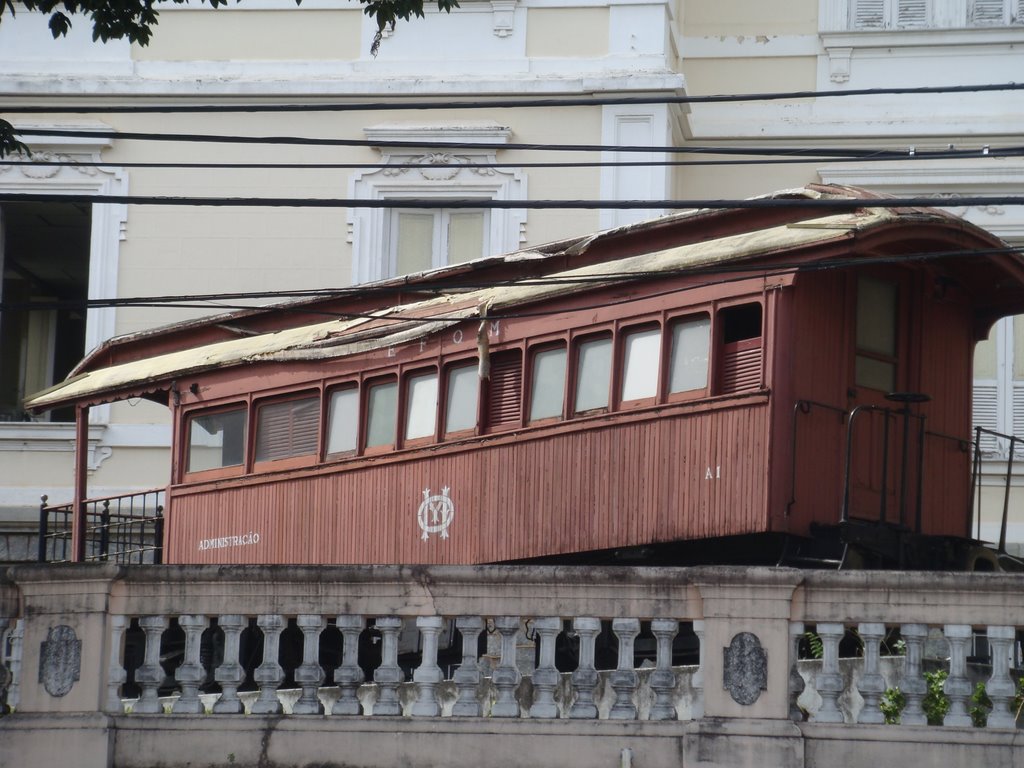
x,y
703,387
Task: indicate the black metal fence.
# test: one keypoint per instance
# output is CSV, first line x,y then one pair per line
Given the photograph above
x,y
119,529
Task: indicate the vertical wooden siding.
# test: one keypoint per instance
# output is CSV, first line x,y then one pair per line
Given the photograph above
x,y
686,476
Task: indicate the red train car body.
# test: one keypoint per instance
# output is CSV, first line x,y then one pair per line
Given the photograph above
x,y
707,386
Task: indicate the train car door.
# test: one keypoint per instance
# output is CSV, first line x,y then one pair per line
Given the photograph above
x,y
880,345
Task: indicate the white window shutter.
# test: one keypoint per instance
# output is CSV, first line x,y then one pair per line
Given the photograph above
x,y
986,13
1017,428
986,415
869,14
911,13
1018,13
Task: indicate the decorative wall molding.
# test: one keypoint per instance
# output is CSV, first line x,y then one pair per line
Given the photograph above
x,y
438,175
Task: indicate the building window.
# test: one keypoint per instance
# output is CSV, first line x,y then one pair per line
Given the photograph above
x,y
216,440
880,15
740,363
641,362
422,238
505,391
463,398
421,406
593,374
287,429
547,383
875,365
381,414
343,421
688,359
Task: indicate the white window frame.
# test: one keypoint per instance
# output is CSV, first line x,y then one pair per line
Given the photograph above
x,y
440,239
438,176
107,231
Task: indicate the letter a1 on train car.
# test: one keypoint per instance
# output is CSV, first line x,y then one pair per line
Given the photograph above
x,y
716,475
435,513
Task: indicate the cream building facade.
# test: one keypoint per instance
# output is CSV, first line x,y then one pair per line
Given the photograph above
x,y
267,52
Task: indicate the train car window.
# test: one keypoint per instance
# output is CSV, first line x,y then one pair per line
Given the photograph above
x,y
688,358
381,414
462,399
288,428
343,421
593,373
875,365
740,364
216,440
641,362
505,392
421,406
547,383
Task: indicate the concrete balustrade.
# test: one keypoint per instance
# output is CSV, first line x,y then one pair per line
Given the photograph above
x,y
116,657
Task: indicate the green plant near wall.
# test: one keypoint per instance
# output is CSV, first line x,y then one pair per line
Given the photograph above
x,y
936,702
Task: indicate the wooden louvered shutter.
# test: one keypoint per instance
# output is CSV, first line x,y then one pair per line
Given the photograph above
x,y
741,366
868,14
1018,13
912,14
505,393
986,13
287,429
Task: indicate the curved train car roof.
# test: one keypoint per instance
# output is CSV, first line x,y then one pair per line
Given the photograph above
x,y
377,315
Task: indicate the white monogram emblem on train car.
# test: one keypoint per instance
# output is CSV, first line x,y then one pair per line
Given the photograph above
x,y
435,513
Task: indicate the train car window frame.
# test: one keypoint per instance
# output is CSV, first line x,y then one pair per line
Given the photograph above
x,y
347,388
409,400
223,470
706,353
624,378
504,391
871,354
289,460
470,367
368,412
580,378
554,370
739,366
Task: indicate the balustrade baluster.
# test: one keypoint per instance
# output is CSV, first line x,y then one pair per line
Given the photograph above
x,y
796,680
829,682
506,675
698,677
957,686
17,639
467,676
1000,686
871,684
230,673
117,675
309,674
545,676
584,677
388,676
349,676
663,679
269,674
427,675
624,679
912,683
190,674
151,674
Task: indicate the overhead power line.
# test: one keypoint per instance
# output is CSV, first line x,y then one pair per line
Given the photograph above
x,y
860,155
511,103
831,204
822,152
